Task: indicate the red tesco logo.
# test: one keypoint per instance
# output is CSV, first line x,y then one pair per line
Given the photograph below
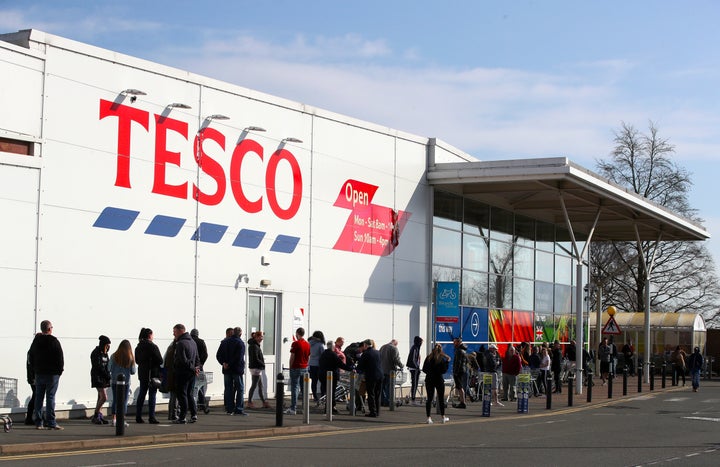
x,y
163,157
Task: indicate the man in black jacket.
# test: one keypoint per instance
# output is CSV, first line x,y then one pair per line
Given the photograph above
x,y
369,364
186,366
47,360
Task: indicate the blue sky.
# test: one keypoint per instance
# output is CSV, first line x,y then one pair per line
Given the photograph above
x,y
498,80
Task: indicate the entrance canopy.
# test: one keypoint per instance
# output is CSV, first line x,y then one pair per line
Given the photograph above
x,y
538,189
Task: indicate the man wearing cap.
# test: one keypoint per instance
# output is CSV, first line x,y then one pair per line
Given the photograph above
x,y
100,377
493,364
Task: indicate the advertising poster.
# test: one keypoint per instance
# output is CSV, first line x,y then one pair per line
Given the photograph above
x,y
523,388
487,393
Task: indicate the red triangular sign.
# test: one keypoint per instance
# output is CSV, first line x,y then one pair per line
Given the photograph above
x,y
611,327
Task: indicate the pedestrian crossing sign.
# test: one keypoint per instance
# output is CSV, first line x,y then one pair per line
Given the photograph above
x,y
611,327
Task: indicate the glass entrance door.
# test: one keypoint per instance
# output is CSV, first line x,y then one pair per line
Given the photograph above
x,y
263,312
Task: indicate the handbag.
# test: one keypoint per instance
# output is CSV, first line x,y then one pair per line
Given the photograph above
x,y
155,383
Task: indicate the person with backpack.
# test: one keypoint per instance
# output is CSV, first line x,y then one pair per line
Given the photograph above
x,y
435,366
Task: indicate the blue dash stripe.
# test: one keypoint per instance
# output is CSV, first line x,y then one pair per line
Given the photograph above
x,y
209,233
116,218
165,226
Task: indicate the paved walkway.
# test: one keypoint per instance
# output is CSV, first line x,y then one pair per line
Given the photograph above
x,y
80,434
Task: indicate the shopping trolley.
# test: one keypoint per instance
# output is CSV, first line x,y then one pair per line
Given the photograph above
x,y
201,382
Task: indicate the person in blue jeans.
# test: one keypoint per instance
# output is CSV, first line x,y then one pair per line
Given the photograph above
x,y
695,364
299,357
48,362
231,355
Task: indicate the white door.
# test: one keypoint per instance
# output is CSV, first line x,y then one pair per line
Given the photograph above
x,y
263,312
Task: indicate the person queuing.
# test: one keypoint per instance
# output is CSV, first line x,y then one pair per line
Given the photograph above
x,y
459,367
100,377
413,364
299,356
186,365
148,359
435,366
231,355
48,362
256,364
122,362
331,362
390,361
317,347
369,365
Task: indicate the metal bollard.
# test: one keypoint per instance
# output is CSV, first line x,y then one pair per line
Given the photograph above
x,y
279,399
641,375
391,391
674,374
664,366
306,398
121,396
590,386
571,380
611,377
652,376
625,376
353,381
329,395
548,390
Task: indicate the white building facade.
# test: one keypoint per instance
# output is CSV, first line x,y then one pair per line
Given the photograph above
x,y
137,195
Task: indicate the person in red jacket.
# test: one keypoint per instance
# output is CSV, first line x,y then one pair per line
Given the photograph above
x,y
299,358
512,364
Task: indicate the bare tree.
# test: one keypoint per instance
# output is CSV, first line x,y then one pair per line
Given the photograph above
x,y
683,274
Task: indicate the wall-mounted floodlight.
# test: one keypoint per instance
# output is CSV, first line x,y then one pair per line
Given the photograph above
x,y
133,92
291,140
254,128
218,117
179,105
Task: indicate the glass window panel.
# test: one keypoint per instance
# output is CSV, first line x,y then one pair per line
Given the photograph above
x,y
448,210
475,253
524,231
254,313
545,236
563,299
500,291
564,241
269,309
441,274
475,289
501,258
522,294
544,297
563,270
544,266
501,224
524,263
446,247
477,218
